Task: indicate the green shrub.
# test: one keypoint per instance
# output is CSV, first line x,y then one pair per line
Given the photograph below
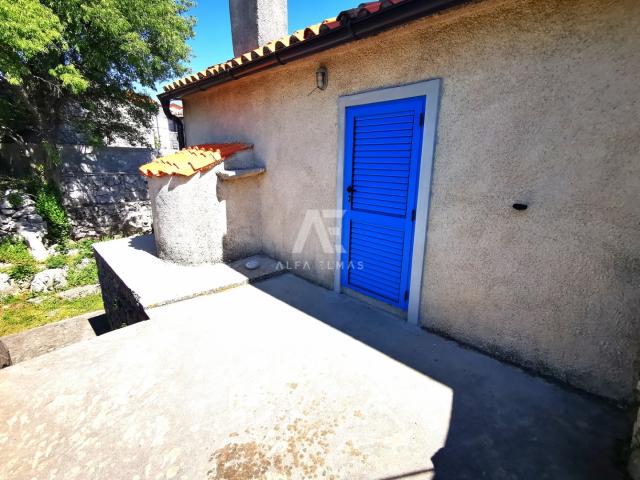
x,y
62,247
14,250
56,261
15,199
49,206
23,271
85,247
87,275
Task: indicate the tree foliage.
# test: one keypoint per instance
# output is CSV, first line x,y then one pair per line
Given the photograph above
x,y
80,65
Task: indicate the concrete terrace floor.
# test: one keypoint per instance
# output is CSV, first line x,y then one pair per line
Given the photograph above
x,y
284,379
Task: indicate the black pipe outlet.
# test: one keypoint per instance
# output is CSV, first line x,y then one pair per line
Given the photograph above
x,y
519,206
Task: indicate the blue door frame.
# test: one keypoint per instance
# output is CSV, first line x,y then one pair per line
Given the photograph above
x,y
382,149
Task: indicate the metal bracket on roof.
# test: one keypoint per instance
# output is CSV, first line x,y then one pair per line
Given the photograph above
x,y
352,31
280,61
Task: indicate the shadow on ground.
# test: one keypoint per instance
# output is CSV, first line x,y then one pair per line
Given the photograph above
x,y
100,324
505,423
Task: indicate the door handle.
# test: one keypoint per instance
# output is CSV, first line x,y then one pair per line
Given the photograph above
x,y
350,191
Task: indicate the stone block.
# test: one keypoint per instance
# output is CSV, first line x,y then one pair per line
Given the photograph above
x,y
48,280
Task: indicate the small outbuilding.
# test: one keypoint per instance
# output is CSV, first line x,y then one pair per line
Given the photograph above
x,y
473,167
189,206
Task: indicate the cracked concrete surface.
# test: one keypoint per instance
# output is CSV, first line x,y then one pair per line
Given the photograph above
x,y
285,379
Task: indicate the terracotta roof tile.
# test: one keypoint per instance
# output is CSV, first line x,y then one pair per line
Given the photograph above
x,y
311,31
190,160
303,35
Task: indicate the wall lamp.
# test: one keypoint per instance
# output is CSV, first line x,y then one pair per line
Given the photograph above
x,y
322,78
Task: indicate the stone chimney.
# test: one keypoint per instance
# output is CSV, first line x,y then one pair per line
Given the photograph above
x,y
256,22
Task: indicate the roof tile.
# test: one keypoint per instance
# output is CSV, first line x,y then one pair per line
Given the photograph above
x,y
311,31
303,35
187,162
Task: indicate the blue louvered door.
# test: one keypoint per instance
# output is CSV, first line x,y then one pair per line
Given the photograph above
x,y
382,161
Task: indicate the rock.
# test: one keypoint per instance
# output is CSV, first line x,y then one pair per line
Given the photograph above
x,y
22,284
6,286
5,358
73,251
84,262
78,292
77,195
28,210
25,217
47,280
35,300
32,236
35,218
134,222
9,227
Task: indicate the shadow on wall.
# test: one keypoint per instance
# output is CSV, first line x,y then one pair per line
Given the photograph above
x,y
505,423
243,233
103,192
13,162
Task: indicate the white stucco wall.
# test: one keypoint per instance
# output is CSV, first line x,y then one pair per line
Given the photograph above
x,y
539,105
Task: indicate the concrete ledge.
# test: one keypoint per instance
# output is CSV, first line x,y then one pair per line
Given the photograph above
x,y
231,175
47,338
134,279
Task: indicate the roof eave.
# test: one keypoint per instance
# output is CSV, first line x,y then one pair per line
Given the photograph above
x,y
354,29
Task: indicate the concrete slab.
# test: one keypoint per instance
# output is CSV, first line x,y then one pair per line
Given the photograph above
x,y
284,379
155,282
133,278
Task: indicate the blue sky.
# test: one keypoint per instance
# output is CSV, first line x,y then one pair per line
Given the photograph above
x,y
212,42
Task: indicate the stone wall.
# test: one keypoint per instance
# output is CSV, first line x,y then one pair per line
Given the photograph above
x,y
103,192
120,304
20,218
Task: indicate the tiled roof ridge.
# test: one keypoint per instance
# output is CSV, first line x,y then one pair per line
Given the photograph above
x,y
299,36
190,160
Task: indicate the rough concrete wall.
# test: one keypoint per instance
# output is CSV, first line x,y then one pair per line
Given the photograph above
x,y
256,22
241,199
103,192
539,105
201,219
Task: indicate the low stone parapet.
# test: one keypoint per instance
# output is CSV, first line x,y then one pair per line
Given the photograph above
x,y
134,279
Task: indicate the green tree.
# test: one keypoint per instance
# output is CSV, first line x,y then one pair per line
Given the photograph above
x,y
82,65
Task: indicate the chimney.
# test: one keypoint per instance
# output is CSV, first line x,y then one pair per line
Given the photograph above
x,y
256,22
